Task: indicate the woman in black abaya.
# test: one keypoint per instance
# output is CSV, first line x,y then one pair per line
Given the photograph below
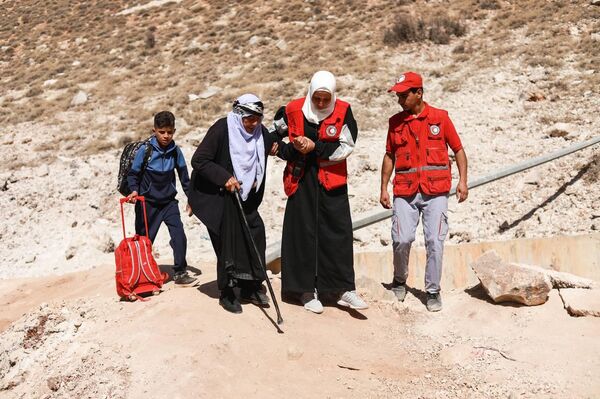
x,y
316,251
233,156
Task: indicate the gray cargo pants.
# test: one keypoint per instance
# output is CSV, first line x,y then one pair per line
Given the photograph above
x,y
405,219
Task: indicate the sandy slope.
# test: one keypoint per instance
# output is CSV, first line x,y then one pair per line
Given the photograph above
x,y
182,344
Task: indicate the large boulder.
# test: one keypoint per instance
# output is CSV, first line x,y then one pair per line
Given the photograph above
x,y
510,282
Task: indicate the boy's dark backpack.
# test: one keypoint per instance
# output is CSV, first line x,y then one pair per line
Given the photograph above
x,y
127,157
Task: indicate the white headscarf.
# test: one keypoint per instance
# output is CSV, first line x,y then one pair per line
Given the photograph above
x,y
321,81
247,150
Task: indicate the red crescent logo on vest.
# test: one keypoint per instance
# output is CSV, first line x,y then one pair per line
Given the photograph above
x,y
331,131
434,129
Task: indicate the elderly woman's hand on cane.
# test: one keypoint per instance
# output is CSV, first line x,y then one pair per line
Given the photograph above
x,y
232,185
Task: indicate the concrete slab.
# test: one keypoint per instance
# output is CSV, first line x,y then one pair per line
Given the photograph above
x,y
581,302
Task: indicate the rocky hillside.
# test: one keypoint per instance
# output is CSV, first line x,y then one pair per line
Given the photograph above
x,y
79,79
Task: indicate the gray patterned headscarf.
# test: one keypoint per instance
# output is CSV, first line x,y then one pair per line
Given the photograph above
x,y
248,105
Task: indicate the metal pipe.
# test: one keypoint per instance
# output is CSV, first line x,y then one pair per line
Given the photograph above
x,y
369,218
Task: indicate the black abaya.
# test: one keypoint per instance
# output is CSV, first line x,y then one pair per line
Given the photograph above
x,y
217,209
316,250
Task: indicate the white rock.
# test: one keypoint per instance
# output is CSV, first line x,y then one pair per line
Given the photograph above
x,y
209,92
150,4
49,82
294,353
105,243
80,98
281,44
254,40
499,77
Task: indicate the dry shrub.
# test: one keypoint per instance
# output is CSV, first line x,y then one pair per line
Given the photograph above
x,y
96,146
150,39
34,335
592,175
47,146
489,5
125,139
460,49
547,120
451,86
558,133
34,91
438,29
443,27
545,61
404,30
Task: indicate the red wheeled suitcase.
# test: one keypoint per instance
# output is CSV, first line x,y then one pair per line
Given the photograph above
x,y
137,271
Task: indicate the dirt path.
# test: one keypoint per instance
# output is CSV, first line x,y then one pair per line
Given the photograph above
x,y
84,342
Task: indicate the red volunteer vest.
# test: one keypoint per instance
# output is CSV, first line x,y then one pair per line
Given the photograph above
x,y
421,153
332,174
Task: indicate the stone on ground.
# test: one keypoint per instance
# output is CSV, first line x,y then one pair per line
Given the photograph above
x,y
567,280
581,302
509,282
373,290
80,98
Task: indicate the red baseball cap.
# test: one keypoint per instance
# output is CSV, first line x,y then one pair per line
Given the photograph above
x,y
407,81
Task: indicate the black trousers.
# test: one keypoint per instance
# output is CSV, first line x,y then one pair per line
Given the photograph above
x,y
169,214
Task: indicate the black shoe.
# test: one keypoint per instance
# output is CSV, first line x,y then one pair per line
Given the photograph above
x,y
434,302
399,289
183,278
229,301
256,296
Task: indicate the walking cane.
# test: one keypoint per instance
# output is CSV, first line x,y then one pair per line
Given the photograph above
x,y
264,268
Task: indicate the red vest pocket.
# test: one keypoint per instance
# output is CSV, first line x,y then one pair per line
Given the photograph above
x,y
405,184
438,184
437,156
400,138
402,159
333,176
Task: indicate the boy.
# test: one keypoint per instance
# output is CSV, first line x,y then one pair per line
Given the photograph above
x,y
157,184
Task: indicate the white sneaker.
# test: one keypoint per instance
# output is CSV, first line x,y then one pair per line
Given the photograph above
x,y
350,299
311,303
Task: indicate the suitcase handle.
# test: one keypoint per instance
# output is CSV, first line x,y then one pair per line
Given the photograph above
x,y
139,198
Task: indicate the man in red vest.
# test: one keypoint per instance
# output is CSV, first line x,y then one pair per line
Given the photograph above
x,y
417,152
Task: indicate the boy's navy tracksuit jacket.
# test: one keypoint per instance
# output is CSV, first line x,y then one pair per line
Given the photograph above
x,y
157,185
